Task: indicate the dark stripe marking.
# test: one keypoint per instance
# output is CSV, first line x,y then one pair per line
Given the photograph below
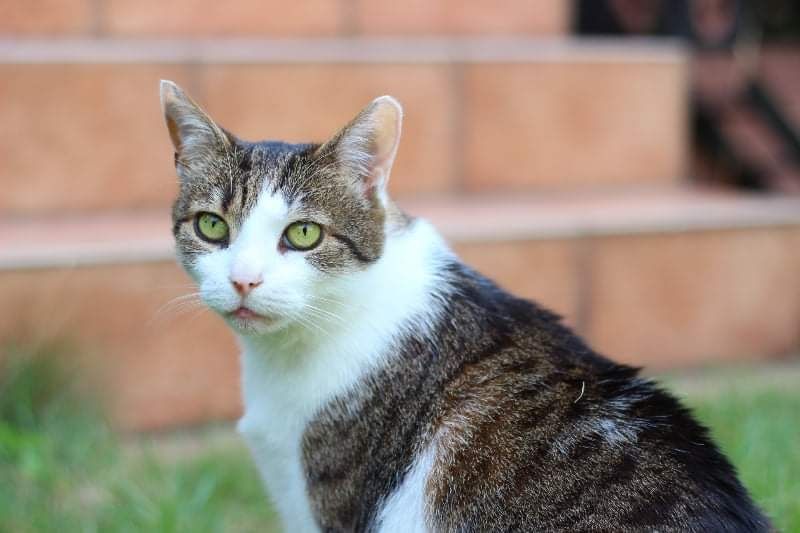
x,y
245,191
179,222
245,164
353,248
227,197
287,170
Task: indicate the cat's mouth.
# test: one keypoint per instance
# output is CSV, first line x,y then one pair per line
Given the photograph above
x,y
247,321
245,313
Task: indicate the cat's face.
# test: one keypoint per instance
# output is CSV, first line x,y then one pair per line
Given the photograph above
x,y
273,233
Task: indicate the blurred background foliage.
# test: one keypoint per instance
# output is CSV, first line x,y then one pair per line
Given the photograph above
x,y
62,467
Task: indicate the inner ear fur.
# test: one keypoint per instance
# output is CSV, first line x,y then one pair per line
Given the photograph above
x,y
367,145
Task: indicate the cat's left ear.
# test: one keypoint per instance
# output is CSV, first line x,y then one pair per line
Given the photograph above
x,y
366,147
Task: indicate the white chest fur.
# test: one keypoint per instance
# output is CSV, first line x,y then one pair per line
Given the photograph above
x,y
273,423
287,378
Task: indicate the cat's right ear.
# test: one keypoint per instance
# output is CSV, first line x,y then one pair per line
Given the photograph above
x,y
194,135
366,147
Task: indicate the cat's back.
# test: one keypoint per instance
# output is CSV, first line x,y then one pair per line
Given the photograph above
x,y
537,432
500,419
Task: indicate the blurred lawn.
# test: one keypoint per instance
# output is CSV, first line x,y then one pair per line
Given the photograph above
x,y
62,469
754,415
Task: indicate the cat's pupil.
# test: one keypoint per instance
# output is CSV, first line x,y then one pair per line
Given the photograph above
x,y
305,230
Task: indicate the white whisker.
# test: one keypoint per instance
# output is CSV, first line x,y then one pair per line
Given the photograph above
x,y
308,324
322,312
177,304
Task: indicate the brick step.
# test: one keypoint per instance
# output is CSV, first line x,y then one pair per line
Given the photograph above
x,y
663,280
278,18
83,129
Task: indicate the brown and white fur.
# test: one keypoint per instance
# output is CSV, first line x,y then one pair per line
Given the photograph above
x,y
388,387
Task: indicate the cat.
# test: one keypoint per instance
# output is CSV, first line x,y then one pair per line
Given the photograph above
x,y
389,387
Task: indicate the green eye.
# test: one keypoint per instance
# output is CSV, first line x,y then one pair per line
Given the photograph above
x,y
303,235
211,227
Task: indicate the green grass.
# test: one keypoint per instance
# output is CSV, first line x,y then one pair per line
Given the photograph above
x,y
754,415
63,469
760,431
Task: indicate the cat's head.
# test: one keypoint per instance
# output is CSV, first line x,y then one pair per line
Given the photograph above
x,y
272,232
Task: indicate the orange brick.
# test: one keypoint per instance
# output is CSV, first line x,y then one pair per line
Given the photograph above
x,y
572,123
668,300
212,17
543,271
46,17
304,103
435,17
161,364
78,137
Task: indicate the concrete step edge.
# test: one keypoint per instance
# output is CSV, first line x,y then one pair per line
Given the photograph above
x,y
341,50
600,214
113,238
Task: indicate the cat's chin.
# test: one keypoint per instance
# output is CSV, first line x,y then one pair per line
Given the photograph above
x,y
252,324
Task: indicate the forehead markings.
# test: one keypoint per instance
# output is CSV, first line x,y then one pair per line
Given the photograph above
x,y
239,175
238,163
227,197
295,170
263,166
280,173
279,183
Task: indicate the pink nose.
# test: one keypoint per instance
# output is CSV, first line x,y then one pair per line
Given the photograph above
x,y
244,287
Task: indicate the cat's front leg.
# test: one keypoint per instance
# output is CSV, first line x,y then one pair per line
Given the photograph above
x,y
282,474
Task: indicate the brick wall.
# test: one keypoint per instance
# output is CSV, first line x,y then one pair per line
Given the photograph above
x,y
281,18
